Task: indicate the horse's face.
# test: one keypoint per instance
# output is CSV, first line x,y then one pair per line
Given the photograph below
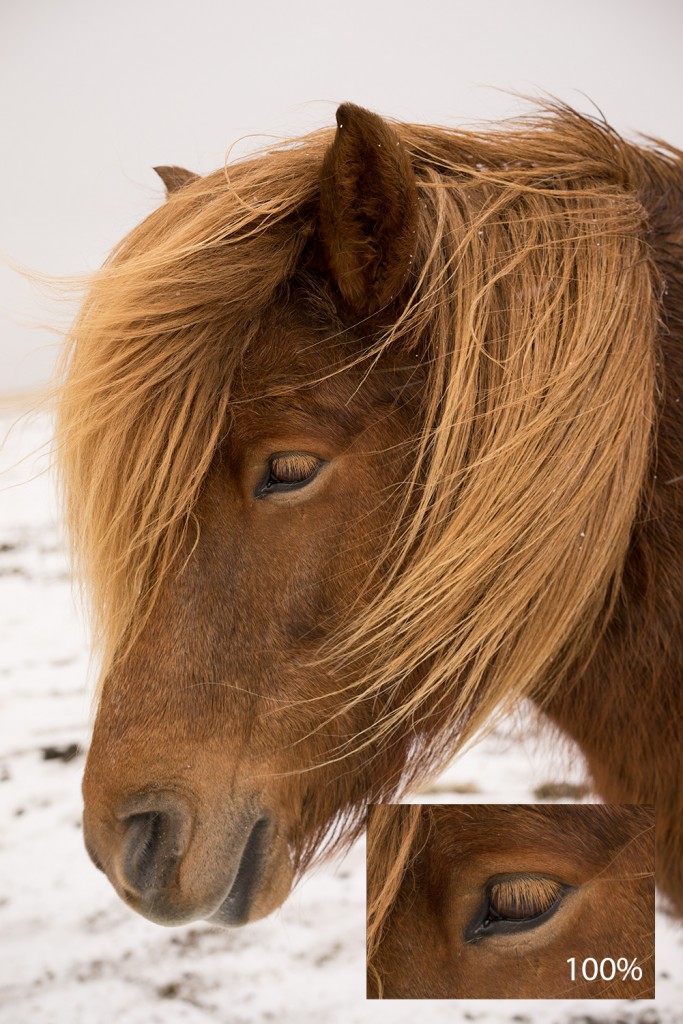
x,y
219,756
216,756
499,898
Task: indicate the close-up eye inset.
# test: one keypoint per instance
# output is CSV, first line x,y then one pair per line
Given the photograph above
x,y
505,901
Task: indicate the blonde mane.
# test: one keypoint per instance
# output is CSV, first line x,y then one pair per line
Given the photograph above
x,y
533,308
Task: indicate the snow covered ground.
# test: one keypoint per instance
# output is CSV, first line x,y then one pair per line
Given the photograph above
x,y
72,953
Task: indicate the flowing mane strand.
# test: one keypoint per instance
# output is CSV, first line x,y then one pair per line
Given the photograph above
x,y
148,368
533,310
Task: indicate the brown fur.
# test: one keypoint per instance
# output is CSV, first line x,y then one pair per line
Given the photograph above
x,y
495,401
429,869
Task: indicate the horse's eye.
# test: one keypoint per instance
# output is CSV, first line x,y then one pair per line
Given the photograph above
x,y
288,471
516,903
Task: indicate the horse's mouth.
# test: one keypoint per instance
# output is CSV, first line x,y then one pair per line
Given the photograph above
x,y
251,878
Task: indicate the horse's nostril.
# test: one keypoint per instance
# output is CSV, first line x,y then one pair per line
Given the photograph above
x,y
153,846
145,838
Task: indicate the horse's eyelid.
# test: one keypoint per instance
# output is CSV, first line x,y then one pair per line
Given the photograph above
x,y
524,898
304,464
267,485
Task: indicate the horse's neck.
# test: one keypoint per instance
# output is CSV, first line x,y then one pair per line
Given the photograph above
x,y
626,709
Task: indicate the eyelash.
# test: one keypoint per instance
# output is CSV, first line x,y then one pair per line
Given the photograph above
x,y
523,898
294,464
514,904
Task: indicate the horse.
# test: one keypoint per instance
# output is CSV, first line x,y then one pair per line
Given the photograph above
x,y
361,439
509,902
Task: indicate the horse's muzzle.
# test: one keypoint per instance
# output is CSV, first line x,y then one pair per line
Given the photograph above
x,y
171,870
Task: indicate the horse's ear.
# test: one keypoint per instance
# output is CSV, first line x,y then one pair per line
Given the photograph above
x,y
175,177
368,210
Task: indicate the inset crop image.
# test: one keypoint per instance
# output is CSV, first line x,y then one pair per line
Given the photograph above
x,y
497,901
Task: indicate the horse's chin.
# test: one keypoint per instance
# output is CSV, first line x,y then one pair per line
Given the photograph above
x,y
262,883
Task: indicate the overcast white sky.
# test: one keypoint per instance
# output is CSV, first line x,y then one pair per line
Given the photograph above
x,y
94,94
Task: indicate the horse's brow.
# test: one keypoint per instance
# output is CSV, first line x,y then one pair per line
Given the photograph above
x,y
324,417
